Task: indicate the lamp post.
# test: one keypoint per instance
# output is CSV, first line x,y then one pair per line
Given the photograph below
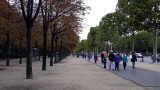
x,y
111,45
121,48
106,45
142,49
107,42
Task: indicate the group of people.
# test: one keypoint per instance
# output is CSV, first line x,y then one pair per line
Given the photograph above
x,y
83,55
115,59
95,57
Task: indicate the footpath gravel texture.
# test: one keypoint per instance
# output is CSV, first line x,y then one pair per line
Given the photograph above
x,y
69,74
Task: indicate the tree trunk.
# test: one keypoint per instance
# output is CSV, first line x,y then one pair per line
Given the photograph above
x,y
51,55
133,41
8,42
155,42
44,50
29,74
27,14
61,51
126,45
55,61
20,51
20,61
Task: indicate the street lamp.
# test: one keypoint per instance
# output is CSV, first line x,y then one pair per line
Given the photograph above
x,y
121,48
111,43
142,49
108,46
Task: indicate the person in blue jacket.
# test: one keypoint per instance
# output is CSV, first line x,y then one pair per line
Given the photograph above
x,y
89,56
117,57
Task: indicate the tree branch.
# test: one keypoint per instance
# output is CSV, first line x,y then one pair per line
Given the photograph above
x,y
37,11
23,11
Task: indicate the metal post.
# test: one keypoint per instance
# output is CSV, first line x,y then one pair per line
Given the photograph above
x,y
111,46
61,51
142,49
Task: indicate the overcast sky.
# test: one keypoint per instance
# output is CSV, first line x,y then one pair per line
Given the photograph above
x,y
99,8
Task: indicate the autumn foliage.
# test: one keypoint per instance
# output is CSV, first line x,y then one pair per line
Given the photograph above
x,y
12,21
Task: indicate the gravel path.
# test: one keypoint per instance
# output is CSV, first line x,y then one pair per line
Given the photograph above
x,y
69,74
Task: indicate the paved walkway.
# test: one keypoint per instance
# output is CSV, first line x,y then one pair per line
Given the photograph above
x,y
145,74
69,74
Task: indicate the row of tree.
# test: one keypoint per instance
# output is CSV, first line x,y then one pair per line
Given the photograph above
x,y
44,24
134,24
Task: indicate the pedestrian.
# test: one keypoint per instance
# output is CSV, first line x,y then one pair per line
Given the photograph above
x,y
112,60
133,59
73,54
125,61
95,57
117,60
77,55
104,62
89,56
102,57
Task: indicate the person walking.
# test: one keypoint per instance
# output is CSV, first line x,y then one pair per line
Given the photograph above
x,y
89,56
125,61
133,59
73,54
112,60
95,57
102,57
117,57
104,62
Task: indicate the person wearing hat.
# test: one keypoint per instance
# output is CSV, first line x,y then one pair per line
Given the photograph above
x,y
111,58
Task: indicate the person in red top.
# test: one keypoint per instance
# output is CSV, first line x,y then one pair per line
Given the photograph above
x,y
95,57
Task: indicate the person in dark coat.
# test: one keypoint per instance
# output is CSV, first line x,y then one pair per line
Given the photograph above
x,y
133,59
104,62
111,58
102,57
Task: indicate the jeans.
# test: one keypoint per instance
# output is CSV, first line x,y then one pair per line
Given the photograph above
x,y
117,66
133,65
124,65
111,64
89,58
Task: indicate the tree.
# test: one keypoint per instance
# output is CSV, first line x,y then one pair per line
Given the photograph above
x,y
29,18
92,37
152,22
54,9
133,13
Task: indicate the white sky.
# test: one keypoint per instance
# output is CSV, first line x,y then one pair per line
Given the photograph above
x,y
99,8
